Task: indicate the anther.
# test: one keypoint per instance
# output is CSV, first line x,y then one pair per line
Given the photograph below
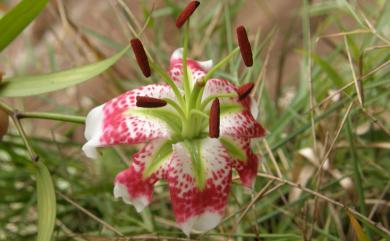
x,y
245,46
186,13
244,90
214,119
150,102
141,57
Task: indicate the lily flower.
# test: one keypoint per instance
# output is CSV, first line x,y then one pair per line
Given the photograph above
x,y
196,130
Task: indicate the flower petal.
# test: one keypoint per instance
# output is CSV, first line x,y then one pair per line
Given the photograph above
x,y
198,68
194,208
221,86
112,123
240,124
247,169
131,184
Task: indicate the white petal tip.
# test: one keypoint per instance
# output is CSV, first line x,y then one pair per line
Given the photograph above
x,y
90,150
140,203
177,54
201,223
206,65
93,131
120,191
207,221
254,108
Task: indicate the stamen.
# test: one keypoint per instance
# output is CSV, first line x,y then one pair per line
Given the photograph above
x,y
186,13
150,102
245,46
214,119
141,57
244,90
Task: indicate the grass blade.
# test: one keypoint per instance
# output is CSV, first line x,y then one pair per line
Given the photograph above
x,y
13,23
39,84
46,203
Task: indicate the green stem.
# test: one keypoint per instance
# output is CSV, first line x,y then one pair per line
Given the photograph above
x,y
175,106
22,133
6,108
186,81
53,116
195,112
42,115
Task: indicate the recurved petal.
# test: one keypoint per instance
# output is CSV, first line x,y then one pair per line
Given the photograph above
x,y
132,185
247,168
241,124
119,122
198,69
194,208
221,86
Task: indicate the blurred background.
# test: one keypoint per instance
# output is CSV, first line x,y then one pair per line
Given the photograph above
x,y
311,58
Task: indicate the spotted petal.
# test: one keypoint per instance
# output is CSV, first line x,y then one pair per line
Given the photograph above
x,y
246,168
119,121
240,124
198,69
194,208
221,86
134,185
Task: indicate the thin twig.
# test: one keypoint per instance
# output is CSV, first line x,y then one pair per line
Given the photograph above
x,y
335,138
254,200
88,213
334,202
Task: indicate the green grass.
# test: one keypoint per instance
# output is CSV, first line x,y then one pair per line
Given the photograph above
x,y
353,142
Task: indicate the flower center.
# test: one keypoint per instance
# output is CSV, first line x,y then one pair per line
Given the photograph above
x,y
194,112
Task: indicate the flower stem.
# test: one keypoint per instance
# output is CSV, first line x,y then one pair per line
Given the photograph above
x,y
22,133
42,115
175,106
186,81
52,116
15,118
195,112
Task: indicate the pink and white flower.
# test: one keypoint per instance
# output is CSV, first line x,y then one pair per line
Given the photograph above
x,y
167,155
196,129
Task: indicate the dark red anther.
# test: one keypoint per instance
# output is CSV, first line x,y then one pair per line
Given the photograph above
x,y
245,46
150,102
244,90
186,13
141,57
214,119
